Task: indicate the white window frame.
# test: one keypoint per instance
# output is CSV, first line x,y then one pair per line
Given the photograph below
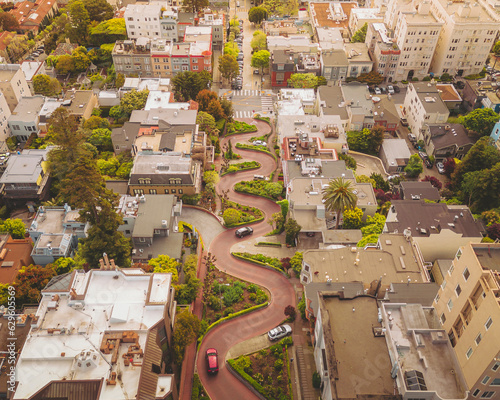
x,y
463,274
490,321
480,337
469,352
448,304
485,380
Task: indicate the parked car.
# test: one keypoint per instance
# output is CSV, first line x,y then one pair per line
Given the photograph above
x,y
260,178
245,231
279,332
390,89
440,167
256,71
425,159
371,89
259,143
404,122
412,138
396,89
378,91
212,361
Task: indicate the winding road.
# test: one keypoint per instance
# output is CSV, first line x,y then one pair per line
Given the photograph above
x,y
224,385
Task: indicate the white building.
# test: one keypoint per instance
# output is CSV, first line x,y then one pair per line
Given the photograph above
x,y
13,84
383,49
423,105
102,333
361,16
168,23
4,117
143,20
468,33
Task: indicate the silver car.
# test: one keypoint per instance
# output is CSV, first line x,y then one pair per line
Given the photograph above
x,y
279,332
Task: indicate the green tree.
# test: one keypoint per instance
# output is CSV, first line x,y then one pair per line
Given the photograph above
x,y
120,80
257,14
371,78
231,217
63,265
292,230
259,41
228,66
414,167
365,179
496,48
353,219
15,227
380,182
296,262
338,196
188,84
186,330
81,60
44,84
99,10
483,188
164,263
366,141
195,5
30,281
360,35
187,292
227,108
284,208
260,59
108,167
481,120
80,22
134,100
304,81
206,123
8,22
65,64
95,122
211,177
215,110
231,49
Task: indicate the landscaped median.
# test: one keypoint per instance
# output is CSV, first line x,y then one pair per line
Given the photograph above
x,y
269,190
237,127
262,149
244,166
262,260
267,371
236,214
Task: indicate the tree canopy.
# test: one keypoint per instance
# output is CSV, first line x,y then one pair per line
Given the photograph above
x,y
80,21
228,66
164,263
260,59
304,81
257,14
186,330
108,31
195,5
15,227
414,167
44,84
481,120
8,22
30,281
188,84
99,10
360,35
259,41
366,141
339,196
371,78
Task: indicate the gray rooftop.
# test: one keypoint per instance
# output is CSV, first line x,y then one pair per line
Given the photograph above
x,y
329,169
449,134
334,58
419,293
173,117
25,167
424,190
161,163
27,109
358,95
430,97
395,149
333,98
151,213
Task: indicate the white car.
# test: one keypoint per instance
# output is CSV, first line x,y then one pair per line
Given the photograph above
x,y
390,89
259,143
378,91
279,332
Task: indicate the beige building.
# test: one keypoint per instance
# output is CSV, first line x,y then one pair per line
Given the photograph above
x,y
160,58
383,50
13,84
423,105
467,35
468,307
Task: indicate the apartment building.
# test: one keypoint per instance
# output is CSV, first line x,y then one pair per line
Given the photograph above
x,y
416,34
13,84
168,24
161,65
4,117
383,49
467,304
133,57
25,117
423,105
468,33
217,21
143,20
361,16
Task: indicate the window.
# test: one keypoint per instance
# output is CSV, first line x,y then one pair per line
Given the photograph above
x,y
476,392
496,366
459,254
469,353
450,271
142,240
487,395
138,191
466,274
436,299
157,231
495,382
478,339
180,191
443,318
152,191
127,232
173,191
458,290
485,380
166,191
488,323
450,304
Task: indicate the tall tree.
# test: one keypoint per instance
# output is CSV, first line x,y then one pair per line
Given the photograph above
x,y
80,22
195,5
338,196
481,120
206,123
8,22
204,98
99,10
371,78
292,230
260,59
44,84
257,14
360,35
303,81
186,330
228,66
414,167
231,48
30,281
259,41
188,84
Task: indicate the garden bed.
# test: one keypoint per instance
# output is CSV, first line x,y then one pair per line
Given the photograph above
x,y
260,259
267,371
244,166
270,190
247,214
236,127
263,149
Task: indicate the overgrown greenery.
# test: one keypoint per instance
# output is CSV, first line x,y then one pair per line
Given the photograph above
x,y
270,190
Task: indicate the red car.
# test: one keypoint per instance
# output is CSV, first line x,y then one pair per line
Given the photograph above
x,y
212,361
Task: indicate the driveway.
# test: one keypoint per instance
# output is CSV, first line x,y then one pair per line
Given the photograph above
x,y
207,224
225,336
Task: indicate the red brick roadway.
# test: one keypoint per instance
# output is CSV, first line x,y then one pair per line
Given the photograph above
x,y
224,386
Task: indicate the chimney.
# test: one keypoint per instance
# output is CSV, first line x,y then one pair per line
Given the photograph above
x,y
113,266
101,261
106,261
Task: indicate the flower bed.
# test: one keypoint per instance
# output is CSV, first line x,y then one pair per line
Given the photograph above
x,y
260,258
267,371
270,190
236,127
244,166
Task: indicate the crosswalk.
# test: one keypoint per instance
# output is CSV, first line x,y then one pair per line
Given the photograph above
x,y
246,92
266,103
243,114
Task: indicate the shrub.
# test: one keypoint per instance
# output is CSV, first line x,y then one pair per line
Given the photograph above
x,y
272,190
252,288
278,365
231,217
275,262
316,380
302,307
290,312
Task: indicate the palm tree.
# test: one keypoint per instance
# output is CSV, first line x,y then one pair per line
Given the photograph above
x,y
339,196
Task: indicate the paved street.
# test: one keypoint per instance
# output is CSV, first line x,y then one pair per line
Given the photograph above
x,y
247,102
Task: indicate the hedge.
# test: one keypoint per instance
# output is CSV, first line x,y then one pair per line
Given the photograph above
x,y
244,223
272,244
231,316
236,127
257,262
244,166
265,189
254,148
256,385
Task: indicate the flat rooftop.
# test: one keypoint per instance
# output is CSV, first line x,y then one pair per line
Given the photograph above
x,y
347,324
51,219
164,163
331,14
394,262
488,255
413,333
